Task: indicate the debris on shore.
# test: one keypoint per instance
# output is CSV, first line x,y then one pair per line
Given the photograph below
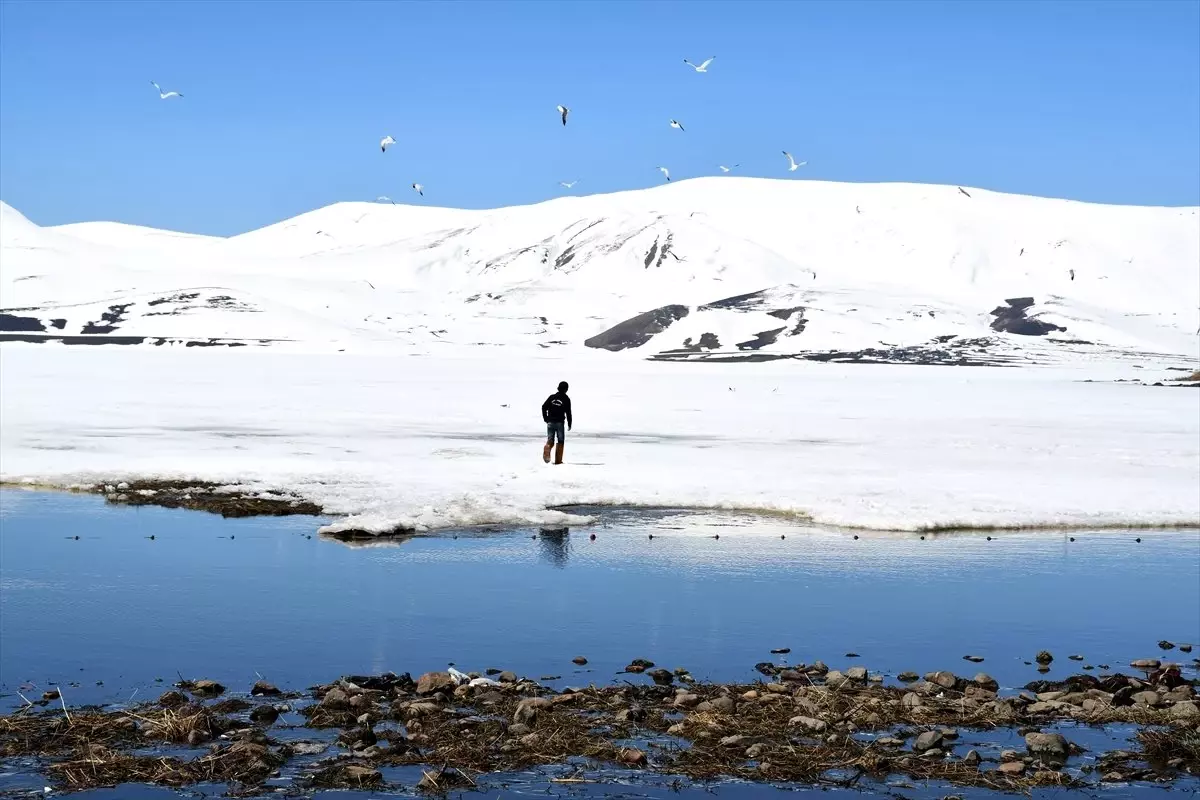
x,y
228,500
806,724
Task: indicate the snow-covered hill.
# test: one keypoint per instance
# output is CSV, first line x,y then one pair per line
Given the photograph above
x,y
707,269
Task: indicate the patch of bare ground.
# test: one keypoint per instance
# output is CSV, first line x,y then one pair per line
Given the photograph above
x,y
216,498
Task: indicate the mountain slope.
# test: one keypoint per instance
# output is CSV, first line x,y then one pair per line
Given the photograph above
x,y
748,268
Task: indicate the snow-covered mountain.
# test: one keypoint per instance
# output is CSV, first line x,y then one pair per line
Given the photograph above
x,y
707,269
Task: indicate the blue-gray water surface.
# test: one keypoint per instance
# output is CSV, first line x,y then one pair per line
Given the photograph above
x,y
116,614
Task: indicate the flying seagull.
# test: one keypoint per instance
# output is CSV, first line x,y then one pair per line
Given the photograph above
x,y
568,184
702,68
563,110
385,142
964,191
675,124
383,197
666,172
793,165
419,189
724,168
164,95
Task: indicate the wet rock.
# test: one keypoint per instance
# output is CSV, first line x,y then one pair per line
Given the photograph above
x,y
972,758
172,699
631,714
796,676
1185,648
766,668
408,710
1187,709
889,741
432,682
1011,768
1010,755
195,738
686,700
985,681
1048,745
361,703
755,751
927,741
1044,657
949,733
818,668
1146,698
207,688
580,660
1165,645
529,709
810,724
944,679
737,740
264,715
1146,663
781,651
632,756
663,677
835,679
439,781
1075,658
724,704
335,699
973,659
857,674
264,689
507,676
907,677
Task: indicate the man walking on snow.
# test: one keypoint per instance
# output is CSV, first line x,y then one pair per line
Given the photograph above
x,y
556,412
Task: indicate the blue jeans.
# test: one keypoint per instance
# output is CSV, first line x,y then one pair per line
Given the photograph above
x,y
558,429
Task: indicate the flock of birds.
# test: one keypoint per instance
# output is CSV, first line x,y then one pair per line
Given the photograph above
x,y
564,112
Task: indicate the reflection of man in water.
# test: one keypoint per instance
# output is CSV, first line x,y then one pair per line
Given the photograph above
x,y
556,413
556,545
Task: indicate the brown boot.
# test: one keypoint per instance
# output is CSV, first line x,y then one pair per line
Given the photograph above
x,y
558,448
546,453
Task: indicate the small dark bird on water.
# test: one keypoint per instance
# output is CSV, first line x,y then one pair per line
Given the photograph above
x,y
592,537
652,536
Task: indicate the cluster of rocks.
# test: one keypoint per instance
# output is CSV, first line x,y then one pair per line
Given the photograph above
x,y
796,725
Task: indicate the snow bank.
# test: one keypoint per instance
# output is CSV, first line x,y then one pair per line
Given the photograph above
x,y
385,442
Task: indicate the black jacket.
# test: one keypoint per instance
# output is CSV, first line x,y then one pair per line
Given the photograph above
x,y
557,408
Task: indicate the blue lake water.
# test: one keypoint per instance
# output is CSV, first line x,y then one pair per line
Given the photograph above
x,y
115,614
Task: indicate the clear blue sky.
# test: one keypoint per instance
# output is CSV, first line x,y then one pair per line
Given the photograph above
x,y
286,102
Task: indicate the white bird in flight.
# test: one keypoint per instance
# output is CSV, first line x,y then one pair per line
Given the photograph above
x,y
385,142
563,110
666,172
675,124
383,197
164,95
702,67
568,184
419,189
793,165
724,168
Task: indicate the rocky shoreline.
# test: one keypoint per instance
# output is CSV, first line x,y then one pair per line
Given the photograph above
x,y
801,723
